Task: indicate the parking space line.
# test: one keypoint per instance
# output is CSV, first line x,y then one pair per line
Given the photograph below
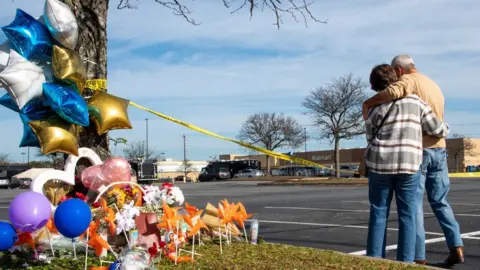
x,y
331,225
460,204
352,210
471,237
428,241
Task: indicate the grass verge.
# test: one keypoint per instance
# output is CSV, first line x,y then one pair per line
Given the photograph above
x,y
317,182
244,256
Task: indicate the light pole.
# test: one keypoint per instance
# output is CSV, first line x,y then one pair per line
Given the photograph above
x,y
185,158
146,139
28,156
23,157
305,132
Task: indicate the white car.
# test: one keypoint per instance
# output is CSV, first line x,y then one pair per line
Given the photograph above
x,y
249,174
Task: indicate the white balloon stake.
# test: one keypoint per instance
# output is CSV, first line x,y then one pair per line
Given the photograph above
x,y
22,79
68,174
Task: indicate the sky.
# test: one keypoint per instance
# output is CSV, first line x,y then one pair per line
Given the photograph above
x,y
217,74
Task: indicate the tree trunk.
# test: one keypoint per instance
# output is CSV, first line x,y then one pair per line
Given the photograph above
x,y
92,46
337,157
268,165
456,164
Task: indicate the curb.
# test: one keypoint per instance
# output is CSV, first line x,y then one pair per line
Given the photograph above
x,y
311,184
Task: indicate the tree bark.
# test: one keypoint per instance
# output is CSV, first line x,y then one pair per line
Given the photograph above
x,y
268,165
92,46
337,156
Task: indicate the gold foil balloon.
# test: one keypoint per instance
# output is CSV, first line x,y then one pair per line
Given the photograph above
x,y
108,112
55,135
68,66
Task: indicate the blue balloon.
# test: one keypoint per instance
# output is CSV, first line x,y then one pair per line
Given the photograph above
x,y
8,102
67,103
29,37
8,236
36,110
114,265
29,138
72,218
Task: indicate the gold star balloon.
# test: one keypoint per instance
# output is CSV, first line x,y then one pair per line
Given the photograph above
x,y
68,67
55,135
108,112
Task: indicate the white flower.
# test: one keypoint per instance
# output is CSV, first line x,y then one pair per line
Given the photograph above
x,y
125,218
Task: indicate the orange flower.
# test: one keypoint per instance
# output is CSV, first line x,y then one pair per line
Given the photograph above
x,y
110,216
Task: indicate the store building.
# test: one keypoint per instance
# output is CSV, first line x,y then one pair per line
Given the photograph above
x,y
459,156
170,168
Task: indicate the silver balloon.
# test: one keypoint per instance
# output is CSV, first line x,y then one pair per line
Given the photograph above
x,y
135,259
61,22
22,79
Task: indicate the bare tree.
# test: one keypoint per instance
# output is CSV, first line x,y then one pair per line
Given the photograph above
x,y
187,168
466,147
4,159
336,108
92,41
56,161
137,150
271,131
117,141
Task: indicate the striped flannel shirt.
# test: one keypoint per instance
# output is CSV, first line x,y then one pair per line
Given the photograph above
x,y
397,148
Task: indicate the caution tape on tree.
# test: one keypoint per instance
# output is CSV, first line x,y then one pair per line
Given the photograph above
x,y
101,84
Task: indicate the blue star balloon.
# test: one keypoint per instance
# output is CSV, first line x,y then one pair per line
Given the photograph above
x,y
67,103
29,37
36,110
29,138
8,102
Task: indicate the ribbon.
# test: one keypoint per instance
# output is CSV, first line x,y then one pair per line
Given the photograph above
x,y
101,84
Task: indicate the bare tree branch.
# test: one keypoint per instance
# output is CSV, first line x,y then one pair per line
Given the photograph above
x,y
137,150
4,159
271,131
336,108
293,8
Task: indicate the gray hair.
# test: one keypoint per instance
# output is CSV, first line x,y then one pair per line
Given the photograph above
x,y
404,61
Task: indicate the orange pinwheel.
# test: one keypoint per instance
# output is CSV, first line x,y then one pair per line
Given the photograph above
x,y
96,241
110,216
99,268
226,212
139,196
172,256
25,238
241,215
51,226
169,218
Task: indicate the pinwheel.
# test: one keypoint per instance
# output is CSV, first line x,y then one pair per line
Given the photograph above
x,y
96,241
109,216
240,217
170,218
25,238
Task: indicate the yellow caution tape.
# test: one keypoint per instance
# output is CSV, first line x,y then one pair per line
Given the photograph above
x,y
246,145
96,84
465,175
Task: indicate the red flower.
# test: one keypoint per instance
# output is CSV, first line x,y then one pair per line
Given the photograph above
x,y
153,251
167,185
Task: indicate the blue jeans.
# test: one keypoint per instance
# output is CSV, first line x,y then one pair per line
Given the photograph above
x,y
381,188
437,184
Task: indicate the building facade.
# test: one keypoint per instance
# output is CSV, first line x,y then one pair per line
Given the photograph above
x,y
170,168
459,156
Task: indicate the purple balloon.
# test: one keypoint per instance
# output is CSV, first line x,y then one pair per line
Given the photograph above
x,y
29,211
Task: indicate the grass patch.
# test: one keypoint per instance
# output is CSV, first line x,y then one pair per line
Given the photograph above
x,y
244,256
318,181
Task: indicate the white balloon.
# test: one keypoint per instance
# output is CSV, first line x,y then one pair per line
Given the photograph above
x,y
61,22
22,79
4,55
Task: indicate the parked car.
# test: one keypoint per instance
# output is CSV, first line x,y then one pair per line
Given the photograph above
x,y
20,182
249,173
214,174
4,183
353,168
180,179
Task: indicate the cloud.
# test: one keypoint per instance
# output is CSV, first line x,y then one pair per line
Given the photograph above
x,y
216,74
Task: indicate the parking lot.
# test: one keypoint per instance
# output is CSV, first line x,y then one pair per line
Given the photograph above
x,y
334,218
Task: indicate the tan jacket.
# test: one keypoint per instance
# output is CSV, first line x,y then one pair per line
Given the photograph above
x,y
421,86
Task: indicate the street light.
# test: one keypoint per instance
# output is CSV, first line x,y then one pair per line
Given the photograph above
x,y
305,132
23,157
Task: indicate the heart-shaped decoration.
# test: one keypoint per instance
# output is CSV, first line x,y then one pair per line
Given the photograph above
x,y
68,174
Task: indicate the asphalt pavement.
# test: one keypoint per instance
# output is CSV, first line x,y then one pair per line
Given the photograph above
x,y
334,218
